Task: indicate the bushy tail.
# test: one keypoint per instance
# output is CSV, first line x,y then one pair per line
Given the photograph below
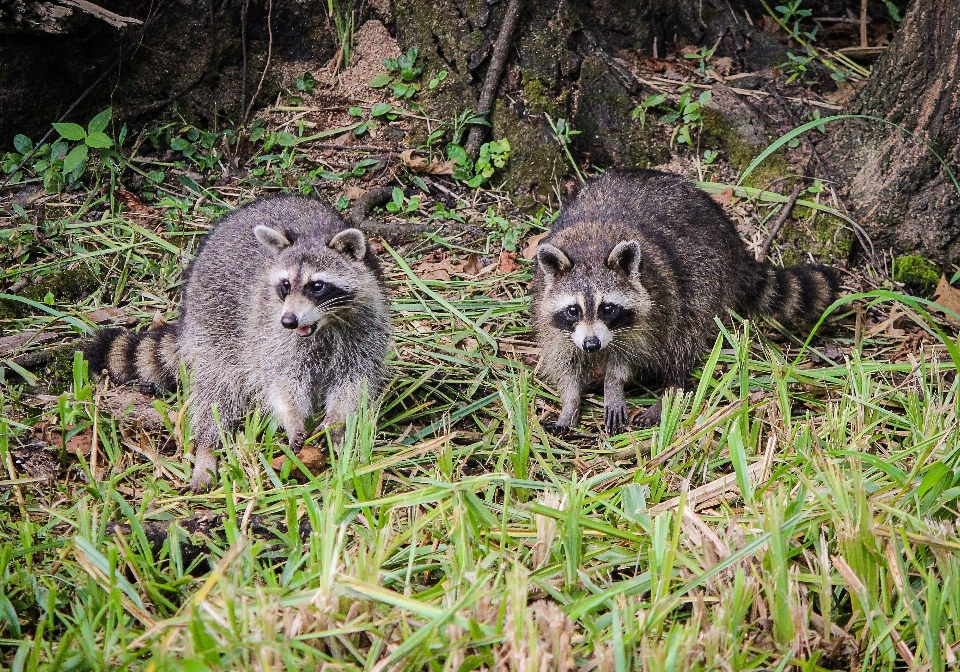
x,y
150,356
796,294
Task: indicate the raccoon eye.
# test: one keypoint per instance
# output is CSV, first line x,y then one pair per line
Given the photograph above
x,y
284,288
608,309
317,287
573,311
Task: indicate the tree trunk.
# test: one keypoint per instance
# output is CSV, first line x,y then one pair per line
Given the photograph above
x,y
896,187
570,60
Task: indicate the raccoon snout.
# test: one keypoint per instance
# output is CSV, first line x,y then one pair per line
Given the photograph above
x,y
289,320
592,344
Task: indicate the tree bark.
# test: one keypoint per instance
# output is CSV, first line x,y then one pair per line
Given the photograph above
x,y
896,187
57,18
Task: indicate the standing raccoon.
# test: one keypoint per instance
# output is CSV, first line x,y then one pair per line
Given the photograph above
x,y
284,307
628,283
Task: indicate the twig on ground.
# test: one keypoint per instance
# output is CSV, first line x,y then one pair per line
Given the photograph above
x,y
266,65
243,67
778,224
494,72
106,15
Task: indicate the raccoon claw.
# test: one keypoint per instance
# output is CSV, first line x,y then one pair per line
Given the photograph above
x,y
614,418
647,417
556,429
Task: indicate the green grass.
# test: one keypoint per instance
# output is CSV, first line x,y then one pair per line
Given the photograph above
x,y
450,531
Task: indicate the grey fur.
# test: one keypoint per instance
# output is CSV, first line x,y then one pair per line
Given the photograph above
x,y
671,259
230,332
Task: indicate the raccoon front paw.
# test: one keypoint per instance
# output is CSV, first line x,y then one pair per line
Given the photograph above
x,y
647,417
556,429
204,469
614,418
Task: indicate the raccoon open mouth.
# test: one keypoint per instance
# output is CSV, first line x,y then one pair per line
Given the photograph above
x,y
305,330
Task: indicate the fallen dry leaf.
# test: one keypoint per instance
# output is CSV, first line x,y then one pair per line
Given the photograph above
x,y
130,199
947,295
472,265
508,262
420,165
313,459
723,65
353,192
888,325
107,315
530,251
724,197
81,443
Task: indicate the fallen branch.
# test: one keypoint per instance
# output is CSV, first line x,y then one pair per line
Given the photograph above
x,y
494,72
106,15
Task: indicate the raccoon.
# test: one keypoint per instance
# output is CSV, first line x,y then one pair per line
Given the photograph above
x,y
284,307
628,283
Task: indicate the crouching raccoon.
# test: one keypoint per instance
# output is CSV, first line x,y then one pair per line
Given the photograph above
x,y
628,283
284,307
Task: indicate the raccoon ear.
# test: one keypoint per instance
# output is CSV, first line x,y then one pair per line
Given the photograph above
x,y
552,260
350,243
625,257
272,239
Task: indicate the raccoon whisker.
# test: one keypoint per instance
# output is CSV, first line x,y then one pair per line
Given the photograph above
x,y
335,302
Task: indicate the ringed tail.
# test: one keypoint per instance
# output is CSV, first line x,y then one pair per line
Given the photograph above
x,y
150,356
796,294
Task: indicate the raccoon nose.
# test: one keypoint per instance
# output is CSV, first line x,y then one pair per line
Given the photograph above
x,y
591,344
289,320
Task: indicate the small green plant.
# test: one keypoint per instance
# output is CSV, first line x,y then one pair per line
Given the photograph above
x,y
796,67
563,132
689,113
305,83
400,75
493,155
703,56
709,156
791,12
435,81
502,230
200,147
441,213
650,102
61,164
399,203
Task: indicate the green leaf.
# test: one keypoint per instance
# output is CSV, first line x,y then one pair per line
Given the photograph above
x,y
379,81
22,143
476,181
380,109
70,131
391,64
355,112
457,154
286,139
397,196
100,122
76,159
99,140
